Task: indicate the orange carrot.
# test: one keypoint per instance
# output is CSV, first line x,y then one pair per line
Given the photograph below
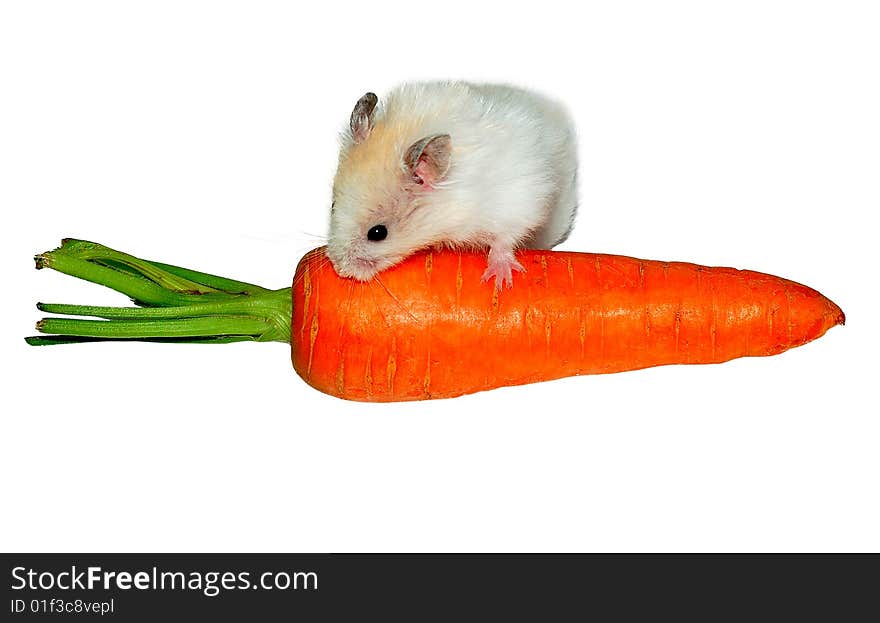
x,y
428,328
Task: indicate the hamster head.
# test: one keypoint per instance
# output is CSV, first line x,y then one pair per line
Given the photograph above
x,y
382,192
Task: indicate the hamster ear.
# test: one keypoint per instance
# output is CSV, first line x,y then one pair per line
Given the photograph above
x,y
428,159
362,117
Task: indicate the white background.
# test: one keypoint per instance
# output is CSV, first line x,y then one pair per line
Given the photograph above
x,y
204,134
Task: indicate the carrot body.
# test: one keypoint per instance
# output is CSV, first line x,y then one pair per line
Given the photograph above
x,y
430,329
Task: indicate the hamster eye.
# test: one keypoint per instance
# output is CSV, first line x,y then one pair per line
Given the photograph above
x,y
377,233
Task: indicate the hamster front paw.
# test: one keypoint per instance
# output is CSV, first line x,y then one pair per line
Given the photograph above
x,y
502,263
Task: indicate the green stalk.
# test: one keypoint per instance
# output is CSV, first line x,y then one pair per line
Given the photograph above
x,y
52,340
174,304
211,326
220,283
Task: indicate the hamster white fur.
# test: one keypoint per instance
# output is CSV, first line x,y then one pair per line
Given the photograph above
x,y
452,164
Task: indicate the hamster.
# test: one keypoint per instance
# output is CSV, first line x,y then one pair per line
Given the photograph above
x,y
452,164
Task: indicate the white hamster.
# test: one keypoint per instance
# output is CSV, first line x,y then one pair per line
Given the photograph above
x,y
452,164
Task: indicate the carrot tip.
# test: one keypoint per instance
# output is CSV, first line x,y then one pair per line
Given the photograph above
x,y
834,312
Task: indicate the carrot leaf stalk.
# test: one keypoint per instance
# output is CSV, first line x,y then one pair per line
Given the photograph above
x,y
174,304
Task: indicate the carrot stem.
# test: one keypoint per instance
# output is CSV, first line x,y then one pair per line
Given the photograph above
x,y
242,305
221,283
52,340
175,304
133,329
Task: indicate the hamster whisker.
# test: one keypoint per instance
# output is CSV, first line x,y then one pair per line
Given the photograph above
x,y
319,237
375,301
321,264
394,298
347,309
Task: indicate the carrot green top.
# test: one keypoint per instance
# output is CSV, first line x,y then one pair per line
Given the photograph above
x,y
174,304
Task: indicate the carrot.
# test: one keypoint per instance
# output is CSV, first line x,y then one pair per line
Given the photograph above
x,y
432,330
428,328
